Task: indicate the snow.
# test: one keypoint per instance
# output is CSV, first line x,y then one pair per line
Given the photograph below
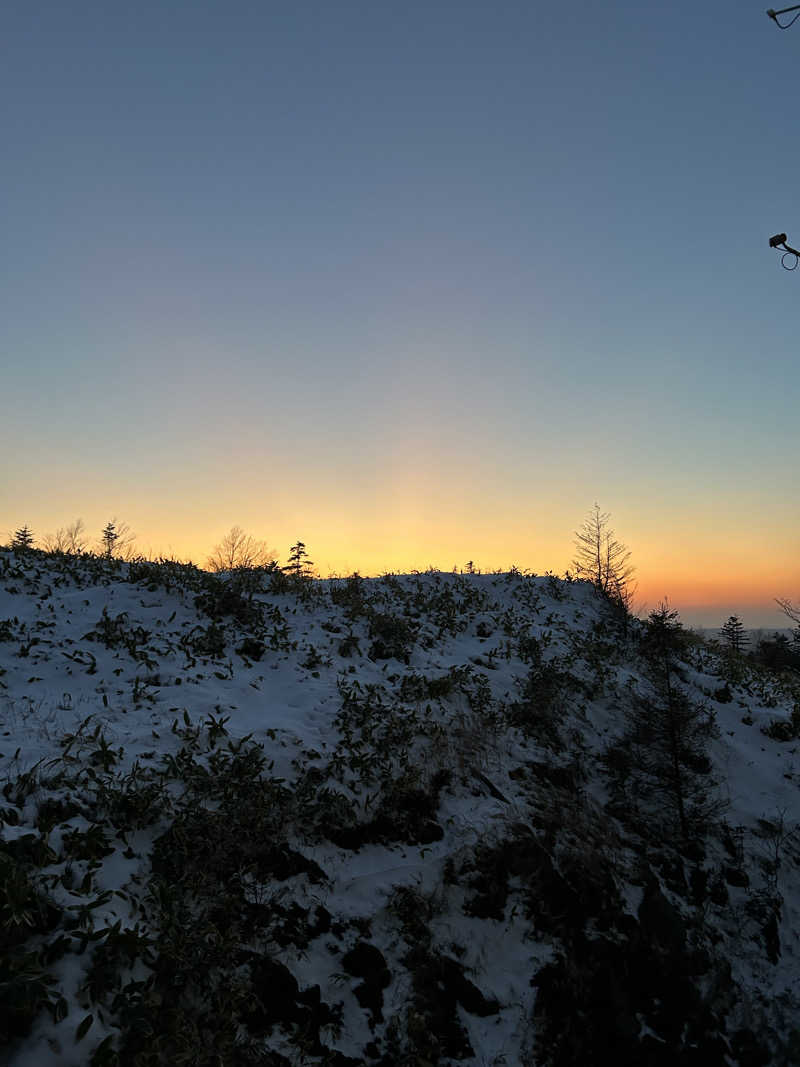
x,y
126,705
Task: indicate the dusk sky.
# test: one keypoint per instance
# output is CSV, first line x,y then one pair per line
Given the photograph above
x,y
416,283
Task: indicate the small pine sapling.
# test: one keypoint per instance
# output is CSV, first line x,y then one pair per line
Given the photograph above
x,y
732,633
299,565
23,539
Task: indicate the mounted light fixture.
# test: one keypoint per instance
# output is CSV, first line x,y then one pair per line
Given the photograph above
x,y
790,257
784,11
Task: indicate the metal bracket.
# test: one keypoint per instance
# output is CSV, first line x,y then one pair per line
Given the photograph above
x,y
784,11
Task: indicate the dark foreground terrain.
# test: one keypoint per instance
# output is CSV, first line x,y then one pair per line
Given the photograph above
x,y
415,820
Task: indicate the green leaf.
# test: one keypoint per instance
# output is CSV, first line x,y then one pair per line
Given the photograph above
x,y
83,1027
104,1053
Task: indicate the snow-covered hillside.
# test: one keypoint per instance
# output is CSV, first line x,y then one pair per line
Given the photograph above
x,y
407,820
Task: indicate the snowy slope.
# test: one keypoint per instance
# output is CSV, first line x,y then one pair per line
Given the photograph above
x,y
371,821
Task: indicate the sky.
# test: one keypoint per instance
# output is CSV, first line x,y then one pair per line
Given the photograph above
x,y
415,283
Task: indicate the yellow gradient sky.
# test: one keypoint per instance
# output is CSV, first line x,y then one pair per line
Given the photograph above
x,y
418,522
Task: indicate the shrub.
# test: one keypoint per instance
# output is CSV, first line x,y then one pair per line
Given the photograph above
x,y
393,637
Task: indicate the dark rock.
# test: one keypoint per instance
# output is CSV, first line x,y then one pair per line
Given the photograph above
x,y
457,985
277,991
429,831
278,1001
364,960
282,862
323,923
348,837
368,962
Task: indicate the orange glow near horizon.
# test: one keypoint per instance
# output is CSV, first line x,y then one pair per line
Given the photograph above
x,y
415,527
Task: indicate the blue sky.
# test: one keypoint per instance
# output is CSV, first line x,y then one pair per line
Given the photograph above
x,y
408,281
